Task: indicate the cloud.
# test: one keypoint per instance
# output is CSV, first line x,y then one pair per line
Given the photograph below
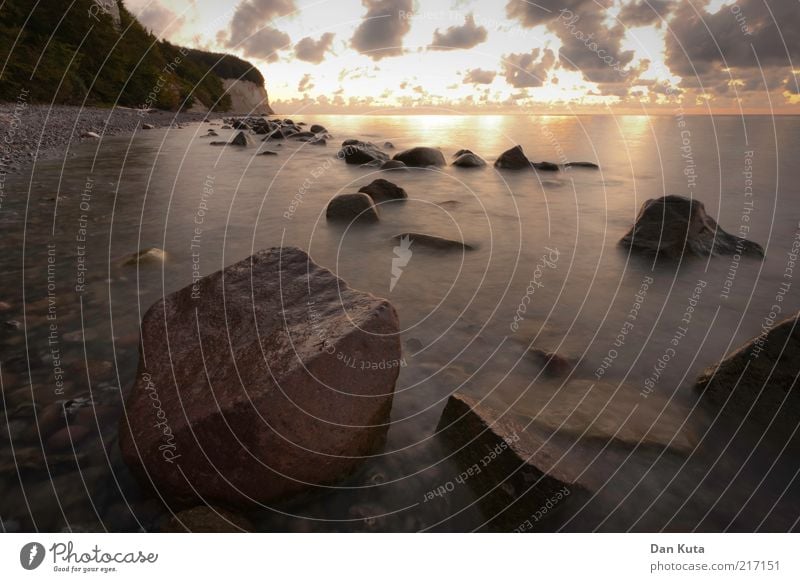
x,y
159,19
459,37
543,11
313,51
527,69
305,84
645,12
250,31
479,77
264,44
381,32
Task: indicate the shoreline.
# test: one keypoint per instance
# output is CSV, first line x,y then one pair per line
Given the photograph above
x,y
31,133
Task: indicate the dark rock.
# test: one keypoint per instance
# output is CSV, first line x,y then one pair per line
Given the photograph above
x,y
381,189
552,364
434,242
319,141
351,207
546,166
513,159
672,225
241,139
318,129
388,145
204,519
148,126
360,152
256,398
393,165
461,152
304,134
520,469
591,165
66,438
268,153
469,160
759,380
421,157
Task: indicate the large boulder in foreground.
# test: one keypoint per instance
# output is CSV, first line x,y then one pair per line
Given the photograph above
x,y
672,225
421,157
250,385
352,207
759,380
513,159
380,190
518,473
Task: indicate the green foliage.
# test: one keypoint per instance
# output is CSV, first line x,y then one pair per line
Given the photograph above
x,y
61,52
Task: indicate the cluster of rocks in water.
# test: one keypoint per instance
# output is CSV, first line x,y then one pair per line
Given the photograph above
x,y
272,130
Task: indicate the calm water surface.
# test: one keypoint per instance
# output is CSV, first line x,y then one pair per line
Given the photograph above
x,y
209,207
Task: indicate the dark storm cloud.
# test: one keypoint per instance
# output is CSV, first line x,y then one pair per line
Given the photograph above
x,y
527,69
313,51
381,32
699,43
249,29
479,77
645,12
459,37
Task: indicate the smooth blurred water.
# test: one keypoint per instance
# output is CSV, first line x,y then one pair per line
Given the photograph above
x,y
456,309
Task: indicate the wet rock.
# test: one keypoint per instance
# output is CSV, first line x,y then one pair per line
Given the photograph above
x,y
5,306
393,165
90,134
381,189
361,152
69,436
148,126
241,139
590,165
304,135
461,152
518,466
759,380
13,324
318,129
267,153
256,398
552,364
421,157
469,160
430,241
212,133
150,256
351,207
204,519
672,225
513,159
318,142
388,145
226,126
546,166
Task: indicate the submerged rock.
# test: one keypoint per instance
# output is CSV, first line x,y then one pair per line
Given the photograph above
x,y
513,159
393,165
434,242
469,160
255,399
381,189
672,225
361,152
150,256
241,139
421,157
546,166
553,364
759,380
519,469
352,207
590,165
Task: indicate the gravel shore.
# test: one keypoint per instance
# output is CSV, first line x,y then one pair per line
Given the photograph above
x,y
29,132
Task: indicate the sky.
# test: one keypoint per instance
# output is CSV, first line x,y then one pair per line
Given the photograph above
x,y
462,56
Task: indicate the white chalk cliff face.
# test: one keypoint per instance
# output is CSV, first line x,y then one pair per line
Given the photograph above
x,y
247,97
111,8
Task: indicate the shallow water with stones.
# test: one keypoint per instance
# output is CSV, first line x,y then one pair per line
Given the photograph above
x,y
456,309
